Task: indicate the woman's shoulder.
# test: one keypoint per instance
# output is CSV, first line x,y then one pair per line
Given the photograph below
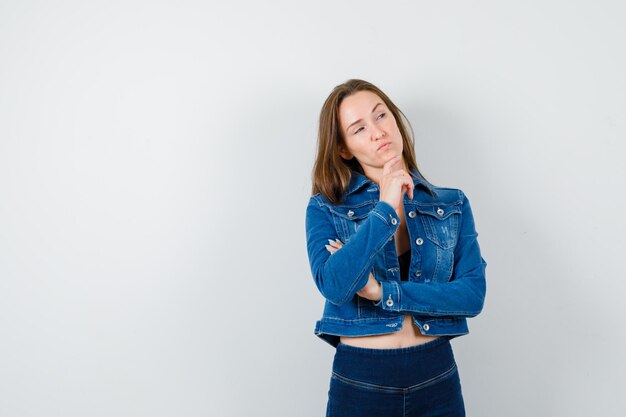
x,y
318,198
439,194
318,202
321,199
423,194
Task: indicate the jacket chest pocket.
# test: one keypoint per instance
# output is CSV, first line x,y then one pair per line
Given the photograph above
x,y
348,219
441,223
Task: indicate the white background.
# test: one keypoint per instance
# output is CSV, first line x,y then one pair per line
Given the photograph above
x,y
155,161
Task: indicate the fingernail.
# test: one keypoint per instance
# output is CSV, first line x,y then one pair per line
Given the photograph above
x,y
330,240
337,240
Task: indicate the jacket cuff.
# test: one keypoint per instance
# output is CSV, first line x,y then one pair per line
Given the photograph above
x,y
390,300
387,213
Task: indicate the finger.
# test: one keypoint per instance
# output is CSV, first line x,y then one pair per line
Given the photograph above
x,y
389,164
400,173
335,243
330,249
401,177
407,184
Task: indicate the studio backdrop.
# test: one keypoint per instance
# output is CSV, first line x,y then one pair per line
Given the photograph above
x,y
155,166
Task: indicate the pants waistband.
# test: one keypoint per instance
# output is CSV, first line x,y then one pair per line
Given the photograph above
x,y
399,367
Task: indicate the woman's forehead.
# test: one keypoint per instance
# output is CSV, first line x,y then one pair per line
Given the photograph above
x,y
358,106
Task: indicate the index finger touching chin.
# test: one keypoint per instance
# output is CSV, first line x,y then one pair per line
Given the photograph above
x,y
387,167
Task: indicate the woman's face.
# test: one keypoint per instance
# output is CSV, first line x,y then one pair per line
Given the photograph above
x,y
370,131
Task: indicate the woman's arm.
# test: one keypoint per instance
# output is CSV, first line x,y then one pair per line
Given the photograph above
x,y
339,277
463,295
372,290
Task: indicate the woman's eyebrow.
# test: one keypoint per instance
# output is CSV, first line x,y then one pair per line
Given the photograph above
x,y
360,120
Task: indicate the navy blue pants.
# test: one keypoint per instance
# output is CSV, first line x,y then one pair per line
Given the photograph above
x,y
419,380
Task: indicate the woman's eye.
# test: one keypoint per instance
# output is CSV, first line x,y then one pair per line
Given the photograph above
x,y
380,116
358,130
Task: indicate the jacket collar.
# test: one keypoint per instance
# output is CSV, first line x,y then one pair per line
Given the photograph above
x,y
359,180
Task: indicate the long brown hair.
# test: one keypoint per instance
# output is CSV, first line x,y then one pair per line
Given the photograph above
x,y
331,173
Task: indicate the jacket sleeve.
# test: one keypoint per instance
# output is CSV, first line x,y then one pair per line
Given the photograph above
x,y
463,295
340,276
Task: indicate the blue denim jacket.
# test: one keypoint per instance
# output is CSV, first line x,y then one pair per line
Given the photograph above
x,y
446,283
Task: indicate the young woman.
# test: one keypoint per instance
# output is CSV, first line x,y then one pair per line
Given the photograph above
x,y
396,258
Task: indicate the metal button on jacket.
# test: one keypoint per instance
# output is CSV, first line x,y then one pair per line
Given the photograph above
x,y
394,221
426,327
418,273
440,211
389,302
350,213
411,214
419,241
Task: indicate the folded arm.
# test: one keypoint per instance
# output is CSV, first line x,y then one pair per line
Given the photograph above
x,y
340,276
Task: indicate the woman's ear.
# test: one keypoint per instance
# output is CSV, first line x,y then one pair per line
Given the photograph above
x,y
345,153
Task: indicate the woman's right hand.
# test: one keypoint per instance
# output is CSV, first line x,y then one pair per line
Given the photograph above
x,y
394,182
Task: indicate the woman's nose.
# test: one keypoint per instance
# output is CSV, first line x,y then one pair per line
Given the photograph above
x,y
377,133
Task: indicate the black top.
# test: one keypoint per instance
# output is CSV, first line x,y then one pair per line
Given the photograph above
x,y
404,260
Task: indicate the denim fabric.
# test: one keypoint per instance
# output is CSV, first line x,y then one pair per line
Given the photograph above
x,y
420,380
446,282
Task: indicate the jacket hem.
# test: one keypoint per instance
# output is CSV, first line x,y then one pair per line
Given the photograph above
x,y
329,330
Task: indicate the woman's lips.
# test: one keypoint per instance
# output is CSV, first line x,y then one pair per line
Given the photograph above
x,y
384,146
